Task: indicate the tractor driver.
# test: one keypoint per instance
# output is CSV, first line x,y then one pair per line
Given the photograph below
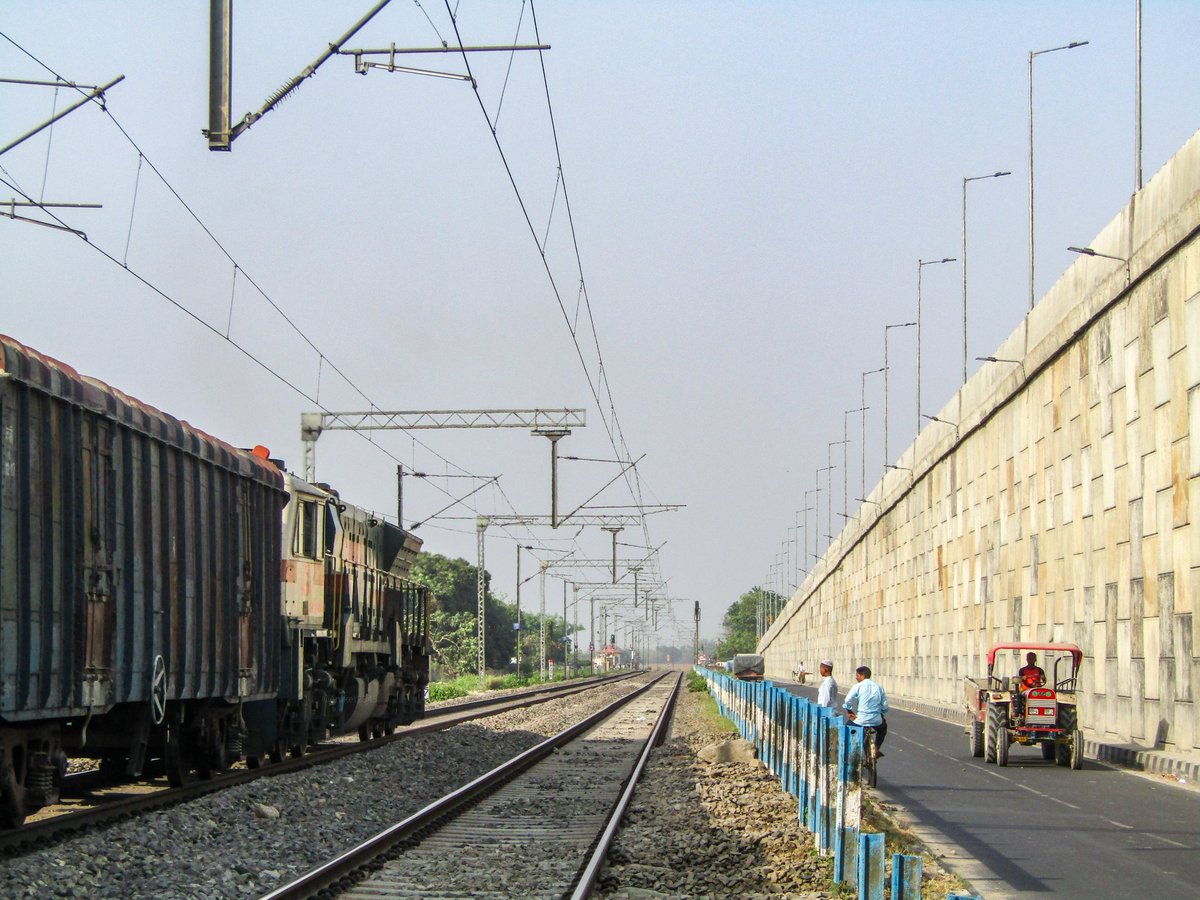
x,y
1031,674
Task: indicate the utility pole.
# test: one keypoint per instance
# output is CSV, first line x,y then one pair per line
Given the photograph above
x,y
481,524
696,635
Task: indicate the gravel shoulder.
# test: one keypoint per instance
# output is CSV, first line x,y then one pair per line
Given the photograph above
x,y
711,830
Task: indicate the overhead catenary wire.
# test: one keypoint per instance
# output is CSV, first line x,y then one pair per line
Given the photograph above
x,y
601,382
323,358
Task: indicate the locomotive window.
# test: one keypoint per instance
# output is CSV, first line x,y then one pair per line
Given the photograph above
x,y
330,531
306,529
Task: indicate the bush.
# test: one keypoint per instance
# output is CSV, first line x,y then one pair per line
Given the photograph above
x,y
696,683
441,690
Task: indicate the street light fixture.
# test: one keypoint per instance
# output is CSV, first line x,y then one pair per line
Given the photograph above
x,y
1033,54
1015,362
1088,251
964,258
921,264
953,425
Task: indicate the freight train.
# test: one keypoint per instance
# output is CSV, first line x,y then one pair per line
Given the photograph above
x,y
167,599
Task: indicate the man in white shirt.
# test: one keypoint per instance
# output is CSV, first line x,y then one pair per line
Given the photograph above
x,y
827,695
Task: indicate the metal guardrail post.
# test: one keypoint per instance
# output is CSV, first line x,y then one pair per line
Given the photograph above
x,y
870,867
906,877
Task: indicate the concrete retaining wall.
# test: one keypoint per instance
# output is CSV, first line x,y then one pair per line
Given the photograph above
x,y
1063,506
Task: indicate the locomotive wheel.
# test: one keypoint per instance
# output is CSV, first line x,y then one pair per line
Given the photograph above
x,y
1048,750
299,750
12,792
278,751
975,736
364,732
1002,746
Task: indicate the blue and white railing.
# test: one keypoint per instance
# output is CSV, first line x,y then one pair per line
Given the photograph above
x,y
818,759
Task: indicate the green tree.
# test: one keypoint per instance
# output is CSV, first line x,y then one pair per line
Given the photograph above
x,y
453,616
739,623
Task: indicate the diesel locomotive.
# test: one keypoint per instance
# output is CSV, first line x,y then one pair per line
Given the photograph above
x,y
169,600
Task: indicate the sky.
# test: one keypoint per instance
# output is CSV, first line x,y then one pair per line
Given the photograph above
x,y
751,186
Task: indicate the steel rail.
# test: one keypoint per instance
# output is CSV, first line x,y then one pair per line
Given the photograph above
x,y
42,831
587,877
345,867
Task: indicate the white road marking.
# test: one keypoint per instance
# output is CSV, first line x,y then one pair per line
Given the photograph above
x,y
993,772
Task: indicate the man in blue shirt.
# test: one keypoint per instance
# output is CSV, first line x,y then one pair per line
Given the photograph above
x,y
866,703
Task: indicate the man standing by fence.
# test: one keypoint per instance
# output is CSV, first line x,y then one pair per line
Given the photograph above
x,y
827,695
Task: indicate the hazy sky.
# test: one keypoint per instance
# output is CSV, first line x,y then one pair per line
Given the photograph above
x,y
751,187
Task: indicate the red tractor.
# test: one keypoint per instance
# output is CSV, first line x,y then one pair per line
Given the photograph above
x,y
1027,707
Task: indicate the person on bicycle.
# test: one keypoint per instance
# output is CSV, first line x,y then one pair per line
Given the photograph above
x,y
866,704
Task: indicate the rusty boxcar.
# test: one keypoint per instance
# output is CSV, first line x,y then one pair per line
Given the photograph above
x,y
139,583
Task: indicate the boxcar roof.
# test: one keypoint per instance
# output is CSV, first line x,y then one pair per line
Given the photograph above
x,y
43,373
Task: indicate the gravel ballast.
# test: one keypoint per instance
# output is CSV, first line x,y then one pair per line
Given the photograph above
x,y
696,829
250,839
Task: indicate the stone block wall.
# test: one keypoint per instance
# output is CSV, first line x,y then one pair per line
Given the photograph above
x,y
1063,506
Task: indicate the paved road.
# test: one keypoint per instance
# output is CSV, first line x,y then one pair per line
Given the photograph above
x,y
1034,828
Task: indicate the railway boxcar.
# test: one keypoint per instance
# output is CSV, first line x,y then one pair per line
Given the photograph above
x,y
139,583
166,596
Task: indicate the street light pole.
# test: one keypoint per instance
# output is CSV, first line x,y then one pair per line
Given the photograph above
x,y
964,259
1032,55
921,264
845,460
863,476
886,329
1137,107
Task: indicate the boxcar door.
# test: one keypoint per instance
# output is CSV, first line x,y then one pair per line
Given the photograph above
x,y
98,533
245,610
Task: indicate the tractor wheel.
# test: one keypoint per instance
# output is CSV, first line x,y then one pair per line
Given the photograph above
x,y
994,716
1062,754
1047,750
1077,750
975,735
1002,746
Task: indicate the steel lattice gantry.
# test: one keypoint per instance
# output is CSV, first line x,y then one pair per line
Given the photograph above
x,y
551,423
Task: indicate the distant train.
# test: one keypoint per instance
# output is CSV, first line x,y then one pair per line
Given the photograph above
x,y
165,596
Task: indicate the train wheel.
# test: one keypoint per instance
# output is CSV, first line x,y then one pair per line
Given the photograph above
x,y
364,732
278,751
12,788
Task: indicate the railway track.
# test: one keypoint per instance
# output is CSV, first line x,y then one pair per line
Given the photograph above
x,y
107,802
539,825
